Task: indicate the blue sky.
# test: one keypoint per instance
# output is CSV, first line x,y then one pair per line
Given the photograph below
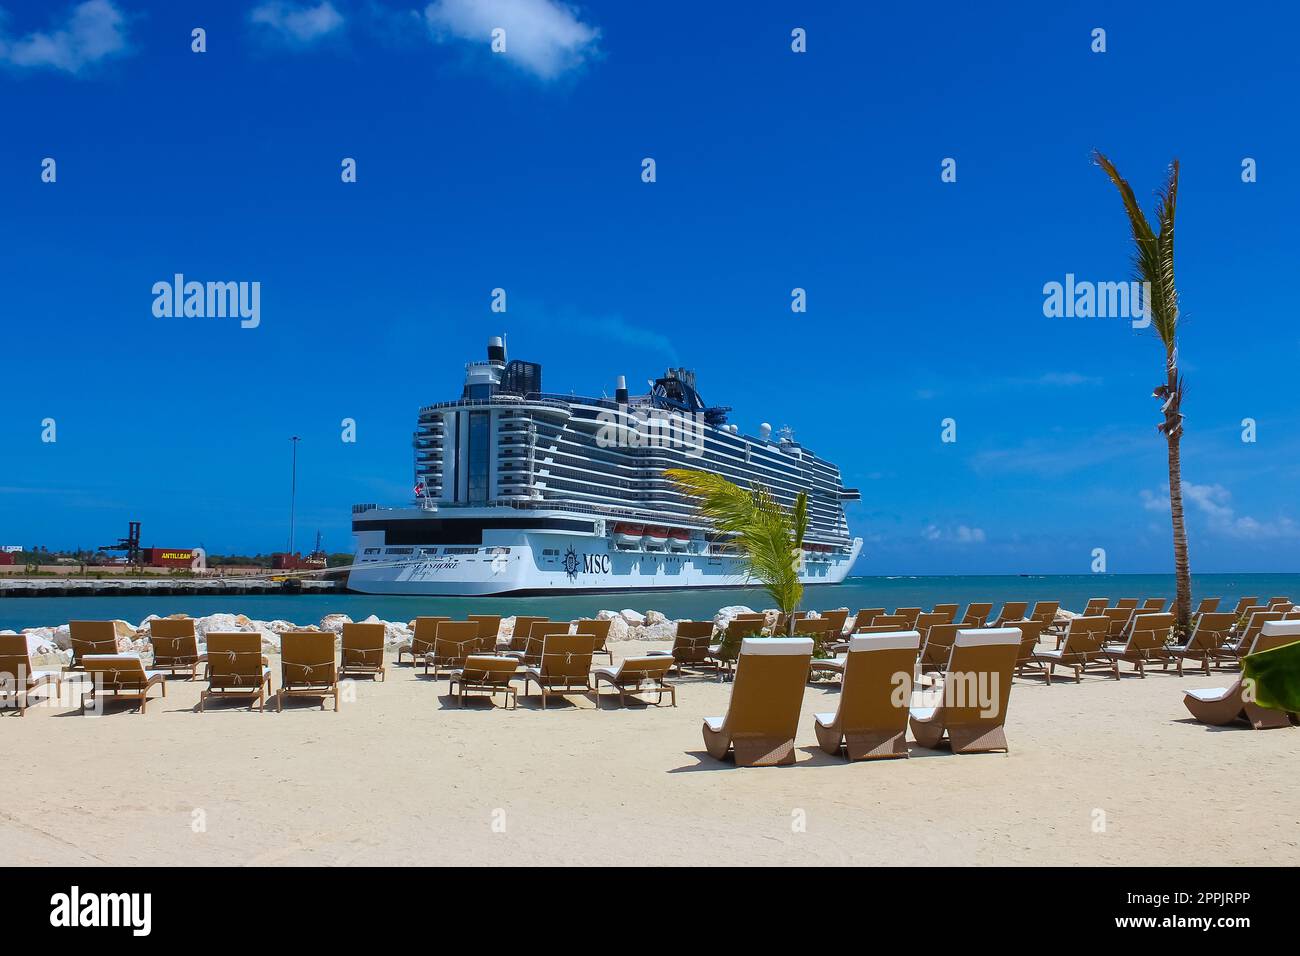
x,y
775,170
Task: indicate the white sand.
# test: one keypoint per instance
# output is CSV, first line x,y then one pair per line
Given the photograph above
x,y
402,776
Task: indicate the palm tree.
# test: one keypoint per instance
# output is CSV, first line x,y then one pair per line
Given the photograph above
x,y
770,537
1154,267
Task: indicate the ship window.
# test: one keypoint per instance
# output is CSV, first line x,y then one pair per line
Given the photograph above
x,y
479,425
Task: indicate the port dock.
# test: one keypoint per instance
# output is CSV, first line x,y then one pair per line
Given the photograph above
x,y
132,587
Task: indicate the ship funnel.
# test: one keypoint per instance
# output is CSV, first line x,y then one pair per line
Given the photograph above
x,y
496,349
765,431
620,390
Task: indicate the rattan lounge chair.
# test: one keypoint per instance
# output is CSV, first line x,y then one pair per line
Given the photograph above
x,y
636,675
1144,644
421,642
1220,706
362,650
1207,606
1081,648
926,620
1044,612
18,677
690,645
518,642
488,673
452,643
565,666
976,614
1030,632
531,655
600,631
723,654
763,714
936,647
866,617
236,668
1011,611
1209,637
908,614
871,720
1243,604
1245,636
175,646
120,675
1127,603
948,610
838,616
981,664
91,637
489,629
1119,619
308,667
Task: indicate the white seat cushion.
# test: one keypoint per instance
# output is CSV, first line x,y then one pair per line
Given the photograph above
x,y
1209,694
777,646
714,723
1048,653
891,641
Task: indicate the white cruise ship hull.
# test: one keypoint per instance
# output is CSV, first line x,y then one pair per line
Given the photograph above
x,y
557,563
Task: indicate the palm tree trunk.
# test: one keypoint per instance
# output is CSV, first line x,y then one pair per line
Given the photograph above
x,y
1182,569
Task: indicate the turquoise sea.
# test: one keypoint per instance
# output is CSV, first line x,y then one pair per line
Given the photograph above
x,y
1072,591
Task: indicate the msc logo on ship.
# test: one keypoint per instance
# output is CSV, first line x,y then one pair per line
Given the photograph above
x,y
586,563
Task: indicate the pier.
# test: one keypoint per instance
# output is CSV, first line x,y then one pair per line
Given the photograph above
x,y
125,587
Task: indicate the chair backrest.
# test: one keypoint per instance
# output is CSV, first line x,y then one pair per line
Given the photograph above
x,y
1256,622
877,687
1211,631
426,628
1275,601
928,619
1094,607
866,616
566,657
1245,603
537,635
1208,606
1150,632
978,681
1153,605
977,613
1130,603
771,673
938,644
1030,631
1084,637
523,626
949,609
1013,611
15,662
234,658
115,671
838,616
488,669
1119,618
489,626
307,658
92,637
455,641
908,614
896,621
363,645
1045,612
1276,634
742,626
173,641
650,670
596,629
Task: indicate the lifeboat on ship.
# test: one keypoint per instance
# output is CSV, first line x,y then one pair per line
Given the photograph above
x,y
656,536
679,539
628,535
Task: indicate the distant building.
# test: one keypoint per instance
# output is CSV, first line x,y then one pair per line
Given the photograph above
x,y
6,557
10,548
167,557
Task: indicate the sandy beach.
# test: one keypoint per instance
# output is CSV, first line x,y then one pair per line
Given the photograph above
x,y
1103,772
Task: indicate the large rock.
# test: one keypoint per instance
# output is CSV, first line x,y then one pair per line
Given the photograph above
x,y
634,618
727,614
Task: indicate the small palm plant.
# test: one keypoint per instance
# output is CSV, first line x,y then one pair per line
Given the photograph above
x,y
770,538
1154,264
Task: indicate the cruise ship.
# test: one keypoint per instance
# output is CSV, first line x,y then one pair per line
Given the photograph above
x,y
523,491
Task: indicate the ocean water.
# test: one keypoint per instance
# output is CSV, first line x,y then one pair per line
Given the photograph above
x,y
1073,591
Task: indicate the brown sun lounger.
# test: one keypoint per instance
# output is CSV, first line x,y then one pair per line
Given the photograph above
x,y
948,610
865,617
763,714
1207,606
1081,648
518,642
488,673
91,637
1145,643
637,675
690,645
908,614
421,643
362,650
1011,611
1209,637
122,676
308,667
18,677
1044,612
1129,603
871,719
598,630
489,628
175,646
1274,602
236,668
1245,636
452,643
531,655
1153,606
936,647
723,654
1243,604
1119,619
976,689
1030,632
977,614
565,666
839,617
926,620
1220,706
1094,607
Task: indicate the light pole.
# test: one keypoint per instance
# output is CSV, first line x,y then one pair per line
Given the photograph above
x,y
293,490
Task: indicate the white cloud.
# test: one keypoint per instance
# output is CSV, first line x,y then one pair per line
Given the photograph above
x,y
962,534
1215,502
543,37
95,30
298,23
